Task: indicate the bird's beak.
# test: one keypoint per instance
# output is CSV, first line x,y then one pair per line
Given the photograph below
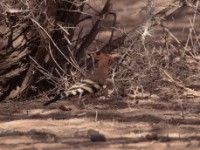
x,y
117,62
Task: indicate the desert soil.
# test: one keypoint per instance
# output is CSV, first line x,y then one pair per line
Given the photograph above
x,y
151,124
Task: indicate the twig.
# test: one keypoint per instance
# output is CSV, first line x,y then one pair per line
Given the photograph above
x,y
56,45
93,32
178,84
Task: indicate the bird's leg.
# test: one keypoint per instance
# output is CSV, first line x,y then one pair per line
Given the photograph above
x,y
81,102
92,97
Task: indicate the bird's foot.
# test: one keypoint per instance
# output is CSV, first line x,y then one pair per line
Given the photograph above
x,y
81,104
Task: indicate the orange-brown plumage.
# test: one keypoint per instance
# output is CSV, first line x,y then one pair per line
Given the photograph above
x,y
93,83
100,73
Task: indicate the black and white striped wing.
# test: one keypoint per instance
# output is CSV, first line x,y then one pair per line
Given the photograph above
x,y
84,87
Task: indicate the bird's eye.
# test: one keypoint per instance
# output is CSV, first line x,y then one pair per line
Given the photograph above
x,y
97,53
109,61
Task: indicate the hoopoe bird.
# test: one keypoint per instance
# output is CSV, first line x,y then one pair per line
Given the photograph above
x,y
90,85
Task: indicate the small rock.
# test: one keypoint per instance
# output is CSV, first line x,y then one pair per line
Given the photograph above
x,y
63,108
155,97
151,137
97,138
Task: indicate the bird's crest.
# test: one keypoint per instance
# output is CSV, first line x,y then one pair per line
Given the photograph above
x,y
106,58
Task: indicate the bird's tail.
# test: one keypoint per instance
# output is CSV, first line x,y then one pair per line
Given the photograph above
x,y
56,98
51,101
82,88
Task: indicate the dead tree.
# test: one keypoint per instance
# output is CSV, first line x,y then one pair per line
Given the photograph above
x,y
42,43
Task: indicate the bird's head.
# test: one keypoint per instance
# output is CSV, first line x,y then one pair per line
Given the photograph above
x,y
106,59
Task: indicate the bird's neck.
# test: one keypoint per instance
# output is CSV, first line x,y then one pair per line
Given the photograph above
x,y
100,73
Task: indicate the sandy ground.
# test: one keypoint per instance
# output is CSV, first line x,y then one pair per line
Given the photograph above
x,y
151,124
